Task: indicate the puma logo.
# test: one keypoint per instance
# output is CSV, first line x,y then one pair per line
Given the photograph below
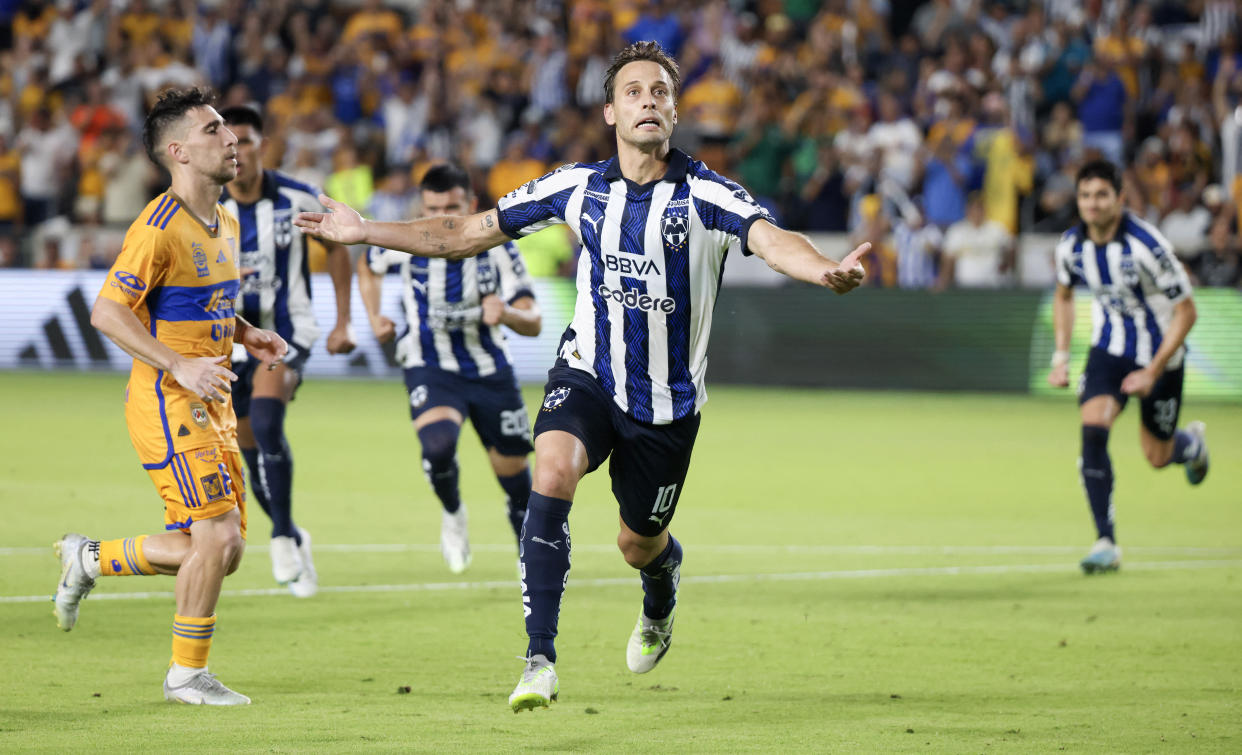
x,y
551,544
595,222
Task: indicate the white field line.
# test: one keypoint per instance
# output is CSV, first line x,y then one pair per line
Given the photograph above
x,y
929,571
877,550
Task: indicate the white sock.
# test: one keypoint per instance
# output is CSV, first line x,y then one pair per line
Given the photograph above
x,y
179,675
89,557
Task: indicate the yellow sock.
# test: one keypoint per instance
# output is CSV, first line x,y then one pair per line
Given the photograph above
x,y
123,558
192,640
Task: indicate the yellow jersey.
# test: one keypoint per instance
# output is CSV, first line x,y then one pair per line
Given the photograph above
x,y
180,278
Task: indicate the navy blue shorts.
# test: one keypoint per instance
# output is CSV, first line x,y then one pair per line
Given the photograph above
x,y
649,462
1161,408
493,404
294,360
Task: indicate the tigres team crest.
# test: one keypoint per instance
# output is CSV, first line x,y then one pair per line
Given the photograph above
x,y
198,413
213,486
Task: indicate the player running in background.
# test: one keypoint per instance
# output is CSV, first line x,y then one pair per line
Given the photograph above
x,y
655,227
169,302
455,359
1141,313
275,294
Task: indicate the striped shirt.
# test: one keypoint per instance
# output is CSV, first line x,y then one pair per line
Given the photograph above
x,y
648,275
1135,279
442,302
275,273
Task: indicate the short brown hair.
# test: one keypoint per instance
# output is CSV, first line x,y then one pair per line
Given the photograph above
x,y
171,106
642,51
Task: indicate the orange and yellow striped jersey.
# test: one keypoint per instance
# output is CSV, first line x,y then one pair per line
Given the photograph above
x,y
180,279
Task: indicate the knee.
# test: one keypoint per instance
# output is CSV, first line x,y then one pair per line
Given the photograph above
x,y
555,477
1094,446
230,551
439,442
637,551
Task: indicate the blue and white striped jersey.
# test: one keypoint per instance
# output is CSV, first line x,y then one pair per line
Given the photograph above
x,y
275,274
648,275
1135,279
443,310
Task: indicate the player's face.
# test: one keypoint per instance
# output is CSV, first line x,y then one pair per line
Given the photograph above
x,y
455,201
642,107
249,159
1099,204
207,145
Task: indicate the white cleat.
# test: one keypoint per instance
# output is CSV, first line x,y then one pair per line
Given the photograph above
x,y
649,642
307,583
74,584
455,540
286,562
1104,556
202,688
538,686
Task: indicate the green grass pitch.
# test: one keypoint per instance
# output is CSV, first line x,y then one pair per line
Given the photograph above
x,y
864,572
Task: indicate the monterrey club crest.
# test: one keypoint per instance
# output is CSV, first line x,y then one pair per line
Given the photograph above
x,y
676,229
555,398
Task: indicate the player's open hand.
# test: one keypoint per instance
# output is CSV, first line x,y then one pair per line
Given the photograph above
x,y
340,340
383,328
1058,376
341,223
205,377
266,346
1138,383
847,276
493,308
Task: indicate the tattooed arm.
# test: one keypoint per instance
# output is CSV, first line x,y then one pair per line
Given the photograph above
x,y
453,237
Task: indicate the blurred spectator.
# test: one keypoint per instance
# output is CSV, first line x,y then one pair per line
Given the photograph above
x,y
351,180
1186,227
1007,172
977,253
660,24
918,249
127,174
1102,101
393,198
514,169
1219,265
47,152
11,211
897,138
946,173
549,253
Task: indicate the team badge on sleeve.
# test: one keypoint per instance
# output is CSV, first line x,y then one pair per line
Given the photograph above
x,y
555,398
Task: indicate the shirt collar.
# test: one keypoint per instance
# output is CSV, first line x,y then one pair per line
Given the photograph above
x,y
678,163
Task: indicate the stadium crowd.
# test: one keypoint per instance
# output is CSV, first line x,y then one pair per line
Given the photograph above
x,y
938,128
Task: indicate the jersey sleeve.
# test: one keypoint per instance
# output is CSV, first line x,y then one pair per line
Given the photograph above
x,y
724,206
137,269
382,261
538,204
515,280
1165,268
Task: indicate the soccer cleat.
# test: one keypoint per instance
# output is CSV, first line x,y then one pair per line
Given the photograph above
x,y
454,540
1197,468
286,562
649,642
537,687
1105,556
307,583
203,689
74,583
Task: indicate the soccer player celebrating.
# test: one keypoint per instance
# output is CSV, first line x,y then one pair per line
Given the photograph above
x,y
655,227
1141,314
275,293
169,302
455,358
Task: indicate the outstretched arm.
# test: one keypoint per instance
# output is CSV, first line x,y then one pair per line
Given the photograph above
x,y
792,254
1062,329
370,286
453,237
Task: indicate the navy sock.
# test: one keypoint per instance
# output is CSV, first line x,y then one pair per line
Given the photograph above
x,y
660,579
1097,478
517,492
544,550
439,441
251,455
267,422
1185,447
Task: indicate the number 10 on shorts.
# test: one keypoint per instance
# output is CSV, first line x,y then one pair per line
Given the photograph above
x,y
663,502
